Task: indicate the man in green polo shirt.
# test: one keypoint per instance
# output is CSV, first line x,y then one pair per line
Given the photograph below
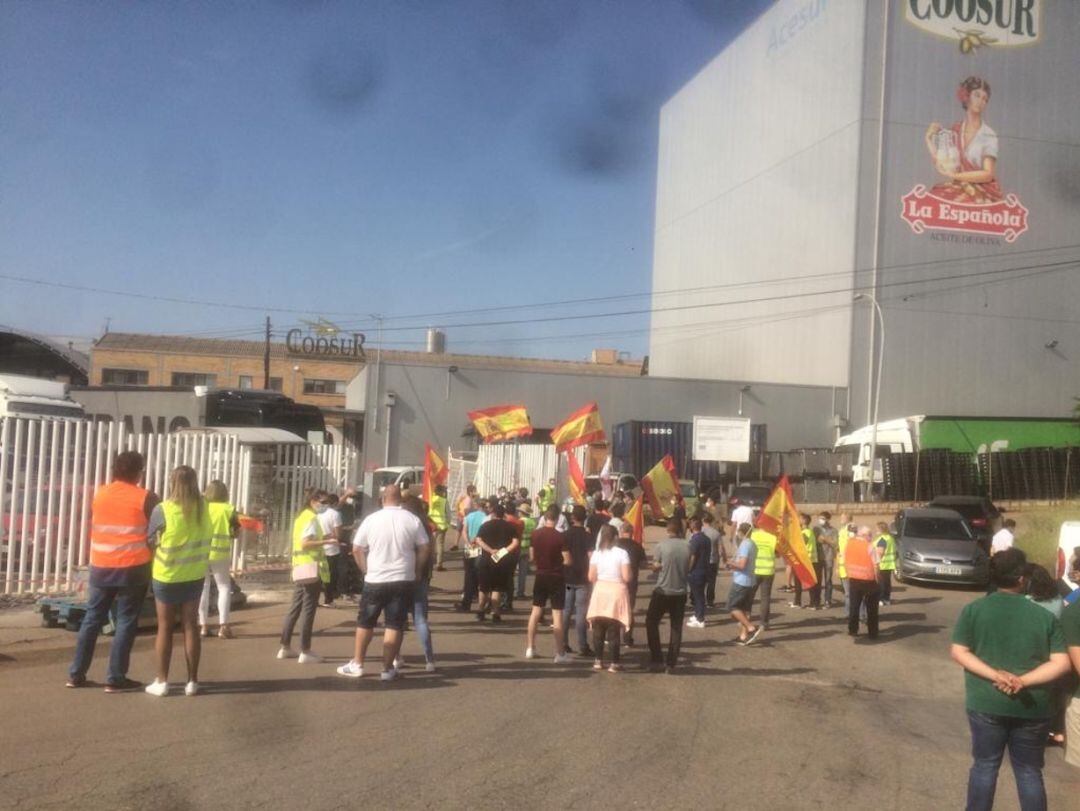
x,y
1010,649
1070,625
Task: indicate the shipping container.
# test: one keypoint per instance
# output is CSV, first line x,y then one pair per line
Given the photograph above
x,y
638,445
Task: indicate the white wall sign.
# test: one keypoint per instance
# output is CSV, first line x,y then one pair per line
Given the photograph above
x,y
721,439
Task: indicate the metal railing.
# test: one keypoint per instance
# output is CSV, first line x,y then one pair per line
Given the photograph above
x,y
50,470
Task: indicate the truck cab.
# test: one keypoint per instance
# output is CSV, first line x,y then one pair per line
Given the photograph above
x,y
33,397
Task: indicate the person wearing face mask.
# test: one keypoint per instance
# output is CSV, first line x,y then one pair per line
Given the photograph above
x,y
309,572
827,540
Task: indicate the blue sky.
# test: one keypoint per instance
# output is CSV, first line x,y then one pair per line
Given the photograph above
x,y
435,159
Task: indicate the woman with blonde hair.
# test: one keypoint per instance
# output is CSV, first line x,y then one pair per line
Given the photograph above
x,y
226,526
609,605
180,532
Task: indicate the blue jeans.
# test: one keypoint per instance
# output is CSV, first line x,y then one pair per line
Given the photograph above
x,y
577,600
1025,739
420,620
697,596
522,573
129,600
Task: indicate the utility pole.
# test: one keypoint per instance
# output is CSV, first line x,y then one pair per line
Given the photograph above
x,y
266,357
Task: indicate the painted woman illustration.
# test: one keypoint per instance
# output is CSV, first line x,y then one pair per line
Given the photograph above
x,y
966,153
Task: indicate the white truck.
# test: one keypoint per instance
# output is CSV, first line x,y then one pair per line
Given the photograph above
x,y
33,397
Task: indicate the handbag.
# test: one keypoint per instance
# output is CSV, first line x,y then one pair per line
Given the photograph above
x,y
304,574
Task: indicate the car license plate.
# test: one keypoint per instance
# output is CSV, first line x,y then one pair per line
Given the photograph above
x,y
954,570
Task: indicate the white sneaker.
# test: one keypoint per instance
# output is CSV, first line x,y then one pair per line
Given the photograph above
x,y
430,667
191,688
351,669
309,658
561,659
398,664
158,688
286,653
694,622
389,675
530,653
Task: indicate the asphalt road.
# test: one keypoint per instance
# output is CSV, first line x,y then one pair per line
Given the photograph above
x,y
806,719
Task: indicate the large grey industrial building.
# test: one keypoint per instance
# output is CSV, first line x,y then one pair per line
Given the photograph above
x,y
794,172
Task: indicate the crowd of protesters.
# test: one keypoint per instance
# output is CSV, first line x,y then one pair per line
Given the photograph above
x,y
1019,645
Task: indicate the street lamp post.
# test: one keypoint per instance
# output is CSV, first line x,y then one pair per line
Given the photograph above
x,y
877,388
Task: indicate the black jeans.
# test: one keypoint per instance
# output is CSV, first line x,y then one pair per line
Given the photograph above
x,y
697,597
334,588
815,590
603,628
631,589
710,584
305,601
886,584
863,592
764,583
673,605
471,588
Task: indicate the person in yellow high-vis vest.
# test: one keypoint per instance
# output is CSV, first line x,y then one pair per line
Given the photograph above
x,y
809,536
764,570
183,532
226,526
437,515
886,544
310,572
847,529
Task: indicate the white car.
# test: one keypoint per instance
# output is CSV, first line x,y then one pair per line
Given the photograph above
x,y
1068,545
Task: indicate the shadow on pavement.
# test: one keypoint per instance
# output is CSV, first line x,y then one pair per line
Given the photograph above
x,y
896,632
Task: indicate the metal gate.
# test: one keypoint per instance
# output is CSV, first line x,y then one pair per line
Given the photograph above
x,y
49,471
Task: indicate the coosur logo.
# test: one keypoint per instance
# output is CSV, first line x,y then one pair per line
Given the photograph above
x,y
974,24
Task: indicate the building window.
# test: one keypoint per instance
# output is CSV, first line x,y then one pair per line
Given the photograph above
x,y
248,382
316,386
124,377
193,379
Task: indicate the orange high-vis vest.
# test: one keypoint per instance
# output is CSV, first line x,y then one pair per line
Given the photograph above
x,y
858,560
118,527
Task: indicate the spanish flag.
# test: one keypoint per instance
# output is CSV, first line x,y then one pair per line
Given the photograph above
x,y
635,517
661,484
580,428
577,479
435,472
781,517
501,422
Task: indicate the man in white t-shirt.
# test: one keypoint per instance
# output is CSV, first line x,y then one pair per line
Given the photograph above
x,y
1004,538
743,514
391,548
330,522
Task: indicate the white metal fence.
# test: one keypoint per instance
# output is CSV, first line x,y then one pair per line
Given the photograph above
x,y
530,466
295,468
49,470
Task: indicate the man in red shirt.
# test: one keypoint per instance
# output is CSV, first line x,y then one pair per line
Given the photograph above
x,y
548,554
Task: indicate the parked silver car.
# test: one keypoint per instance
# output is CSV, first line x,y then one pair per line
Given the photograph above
x,y
938,546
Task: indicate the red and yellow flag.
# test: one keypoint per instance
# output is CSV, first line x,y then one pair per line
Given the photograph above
x,y
635,517
501,422
580,428
661,484
576,477
781,517
435,472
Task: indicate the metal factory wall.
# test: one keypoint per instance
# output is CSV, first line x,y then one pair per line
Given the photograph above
x,y
1002,336
426,410
757,180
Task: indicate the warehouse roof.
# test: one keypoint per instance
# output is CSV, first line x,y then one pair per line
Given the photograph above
x,y
175,344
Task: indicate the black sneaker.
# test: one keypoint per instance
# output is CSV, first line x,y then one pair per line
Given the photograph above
x,y
481,616
496,617
587,653
74,682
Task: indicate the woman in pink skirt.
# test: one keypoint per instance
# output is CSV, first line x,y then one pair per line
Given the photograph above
x,y
609,605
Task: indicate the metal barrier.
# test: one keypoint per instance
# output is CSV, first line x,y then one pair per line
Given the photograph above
x,y
49,471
